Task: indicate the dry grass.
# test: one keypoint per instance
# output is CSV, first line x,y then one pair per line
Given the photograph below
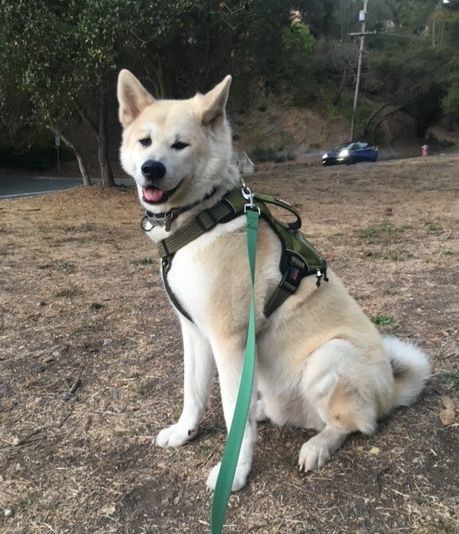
x,y
80,300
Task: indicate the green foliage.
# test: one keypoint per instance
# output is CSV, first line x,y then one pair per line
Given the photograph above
x,y
297,39
384,233
60,58
383,320
269,154
142,262
418,91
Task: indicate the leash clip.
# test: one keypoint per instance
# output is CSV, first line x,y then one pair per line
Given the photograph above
x,y
246,192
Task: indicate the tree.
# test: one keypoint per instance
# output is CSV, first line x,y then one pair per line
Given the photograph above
x,y
30,48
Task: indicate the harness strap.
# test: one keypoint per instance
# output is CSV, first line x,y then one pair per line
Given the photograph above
x,y
199,225
268,199
298,258
165,267
288,285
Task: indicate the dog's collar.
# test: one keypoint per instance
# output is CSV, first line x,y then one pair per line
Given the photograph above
x,y
166,218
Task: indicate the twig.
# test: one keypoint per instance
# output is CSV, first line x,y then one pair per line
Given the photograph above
x,y
31,434
71,392
206,460
76,385
65,419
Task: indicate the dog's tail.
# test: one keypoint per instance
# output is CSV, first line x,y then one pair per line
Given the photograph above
x,y
410,367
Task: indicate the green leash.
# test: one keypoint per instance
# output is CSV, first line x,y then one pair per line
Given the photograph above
x,y
241,411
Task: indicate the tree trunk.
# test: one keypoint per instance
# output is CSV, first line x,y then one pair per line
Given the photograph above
x,y
81,164
106,173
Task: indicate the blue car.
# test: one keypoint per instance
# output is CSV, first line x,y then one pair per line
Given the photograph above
x,y
348,153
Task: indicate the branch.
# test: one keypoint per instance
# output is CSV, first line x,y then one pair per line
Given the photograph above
x,y
87,119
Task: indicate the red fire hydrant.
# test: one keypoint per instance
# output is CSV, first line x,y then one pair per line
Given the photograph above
x,y
424,151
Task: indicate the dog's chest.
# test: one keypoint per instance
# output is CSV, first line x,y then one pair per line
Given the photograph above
x,y
197,274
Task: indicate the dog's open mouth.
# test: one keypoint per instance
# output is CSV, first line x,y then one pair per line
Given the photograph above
x,y
153,195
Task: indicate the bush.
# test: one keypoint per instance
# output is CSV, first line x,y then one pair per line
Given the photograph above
x,y
271,154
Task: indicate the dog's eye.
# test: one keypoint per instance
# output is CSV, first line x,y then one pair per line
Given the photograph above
x,y
178,145
146,141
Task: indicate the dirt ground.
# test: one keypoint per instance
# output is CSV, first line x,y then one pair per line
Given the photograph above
x,y
82,309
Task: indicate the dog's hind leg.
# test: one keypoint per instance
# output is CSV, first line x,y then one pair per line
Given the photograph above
x,y
346,395
199,370
229,357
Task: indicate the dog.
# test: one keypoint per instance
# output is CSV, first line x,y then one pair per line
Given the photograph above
x,y
321,363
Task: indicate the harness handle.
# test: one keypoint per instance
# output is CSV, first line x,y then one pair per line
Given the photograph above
x,y
269,199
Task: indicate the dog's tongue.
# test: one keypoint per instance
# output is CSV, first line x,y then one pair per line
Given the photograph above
x,y
151,194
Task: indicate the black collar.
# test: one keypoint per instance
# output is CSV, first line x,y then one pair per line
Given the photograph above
x,y
168,217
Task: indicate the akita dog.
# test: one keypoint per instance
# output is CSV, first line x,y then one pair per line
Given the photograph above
x,y
321,363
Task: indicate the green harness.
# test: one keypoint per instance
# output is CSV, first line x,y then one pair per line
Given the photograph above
x,y
298,259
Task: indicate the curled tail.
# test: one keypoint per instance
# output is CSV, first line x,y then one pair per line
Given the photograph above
x,y
411,369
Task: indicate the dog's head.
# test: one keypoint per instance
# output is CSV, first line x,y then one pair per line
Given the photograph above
x,y
177,151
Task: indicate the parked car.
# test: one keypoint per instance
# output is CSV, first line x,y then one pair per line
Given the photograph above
x,y
348,153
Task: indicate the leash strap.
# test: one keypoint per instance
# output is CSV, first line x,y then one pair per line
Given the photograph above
x,y
241,411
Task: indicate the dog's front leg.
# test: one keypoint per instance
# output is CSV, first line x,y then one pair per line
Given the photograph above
x,y
199,370
229,359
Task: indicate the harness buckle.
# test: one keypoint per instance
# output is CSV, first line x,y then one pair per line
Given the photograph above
x,y
293,275
321,273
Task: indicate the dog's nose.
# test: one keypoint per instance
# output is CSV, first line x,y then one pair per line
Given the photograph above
x,y
153,169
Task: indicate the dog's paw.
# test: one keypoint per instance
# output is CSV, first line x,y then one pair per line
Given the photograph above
x,y
313,454
240,477
175,435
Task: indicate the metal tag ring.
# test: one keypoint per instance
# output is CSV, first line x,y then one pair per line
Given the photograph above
x,y
143,223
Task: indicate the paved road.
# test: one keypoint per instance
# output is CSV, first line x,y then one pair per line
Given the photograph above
x,y
24,186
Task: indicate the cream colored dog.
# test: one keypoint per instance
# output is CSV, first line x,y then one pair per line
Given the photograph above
x,y
321,363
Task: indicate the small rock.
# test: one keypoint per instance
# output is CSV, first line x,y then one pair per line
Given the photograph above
x,y
108,510
7,512
107,342
375,450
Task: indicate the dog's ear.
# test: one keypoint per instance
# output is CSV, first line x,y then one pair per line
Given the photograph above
x,y
132,97
214,102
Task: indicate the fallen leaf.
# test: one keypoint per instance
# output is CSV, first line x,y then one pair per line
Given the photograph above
x,y
447,402
447,414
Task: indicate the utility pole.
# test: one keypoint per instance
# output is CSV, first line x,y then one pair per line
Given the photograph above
x,y
362,19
